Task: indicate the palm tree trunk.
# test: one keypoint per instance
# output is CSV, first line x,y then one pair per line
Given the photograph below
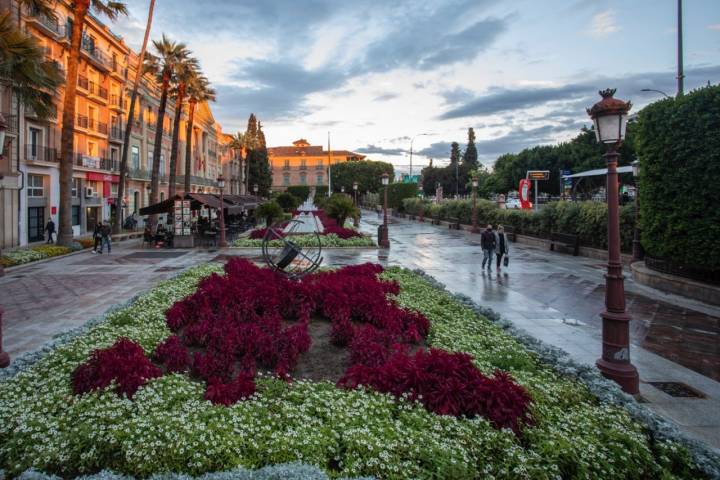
x,y
188,144
175,139
65,233
155,175
131,116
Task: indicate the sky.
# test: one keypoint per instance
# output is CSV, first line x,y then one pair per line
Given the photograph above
x,y
376,73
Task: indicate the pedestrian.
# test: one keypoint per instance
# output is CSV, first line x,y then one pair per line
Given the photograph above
x,y
105,237
503,246
50,229
487,243
96,236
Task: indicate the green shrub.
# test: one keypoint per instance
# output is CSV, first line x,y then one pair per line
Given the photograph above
x,y
300,191
269,211
288,201
679,152
397,192
340,207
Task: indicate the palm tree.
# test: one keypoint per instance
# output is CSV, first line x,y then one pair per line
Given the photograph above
x,y
24,70
169,55
185,71
242,143
131,114
80,10
198,91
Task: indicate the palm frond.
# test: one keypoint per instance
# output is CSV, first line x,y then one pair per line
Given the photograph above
x,y
111,10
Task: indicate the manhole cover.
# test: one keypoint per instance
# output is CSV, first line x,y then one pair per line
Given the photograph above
x,y
151,254
677,389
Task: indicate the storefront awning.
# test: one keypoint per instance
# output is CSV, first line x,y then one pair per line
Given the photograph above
x,y
166,206
207,199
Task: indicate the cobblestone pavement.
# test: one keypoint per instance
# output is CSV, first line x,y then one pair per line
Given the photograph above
x,y
555,297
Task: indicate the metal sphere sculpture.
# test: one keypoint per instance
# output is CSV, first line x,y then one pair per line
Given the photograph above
x,y
284,255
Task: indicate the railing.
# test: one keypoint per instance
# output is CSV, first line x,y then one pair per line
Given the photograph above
x,y
115,100
96,90
97,163
51,24
83,82
137,123
151,126
82,121
320,167
693,272
89,48
13,126
40,153
116,132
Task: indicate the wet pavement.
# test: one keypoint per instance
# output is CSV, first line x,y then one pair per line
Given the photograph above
x,y
555,297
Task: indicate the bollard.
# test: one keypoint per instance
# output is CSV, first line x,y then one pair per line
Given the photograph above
x,y
4,357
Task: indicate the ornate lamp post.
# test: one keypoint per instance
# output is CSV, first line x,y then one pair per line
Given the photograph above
x,y
610,119
3,131
356,220
475,228
637,248
221,186
383,239
255,189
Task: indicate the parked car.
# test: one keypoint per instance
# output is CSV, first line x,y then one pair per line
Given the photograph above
x,y
513,203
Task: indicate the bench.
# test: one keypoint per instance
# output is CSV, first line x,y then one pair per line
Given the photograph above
x,y
510,232
454,223
436,219
567,240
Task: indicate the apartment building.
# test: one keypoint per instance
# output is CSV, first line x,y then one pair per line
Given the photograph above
x,y
304,164
232,166
29,189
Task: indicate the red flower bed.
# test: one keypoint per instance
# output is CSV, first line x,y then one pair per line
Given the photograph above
x,y
329,224
125,363
254,317
445,383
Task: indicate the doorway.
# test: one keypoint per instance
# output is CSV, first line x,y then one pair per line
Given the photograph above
x,y
36,224
91,215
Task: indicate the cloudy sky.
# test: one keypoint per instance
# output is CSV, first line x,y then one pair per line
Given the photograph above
x,y
375,73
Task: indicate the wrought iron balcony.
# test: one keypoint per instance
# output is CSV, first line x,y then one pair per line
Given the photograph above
x,y
40,153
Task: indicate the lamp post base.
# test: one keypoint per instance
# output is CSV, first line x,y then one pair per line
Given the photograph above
x,y
383,239
624,374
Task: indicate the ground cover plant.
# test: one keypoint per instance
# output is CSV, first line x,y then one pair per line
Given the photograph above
x,y
20,256
169,426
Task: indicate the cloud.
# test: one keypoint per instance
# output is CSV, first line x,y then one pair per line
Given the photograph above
x,y
439,150
715,26
375,150
385,97
457,95
603,24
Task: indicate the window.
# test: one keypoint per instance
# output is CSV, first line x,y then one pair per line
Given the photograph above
x,y
303,164
287,165
303,178
136,157
34,147
162,164
286,179
92,149
320,179
75,211
150,161
35,186
162,196
113,189
75,189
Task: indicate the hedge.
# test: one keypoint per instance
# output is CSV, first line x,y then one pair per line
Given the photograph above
x,y
679,151
300,191
397,192
588,220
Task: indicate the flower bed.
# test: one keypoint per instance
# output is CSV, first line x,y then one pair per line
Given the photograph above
x,y
167,426
330,240
10,258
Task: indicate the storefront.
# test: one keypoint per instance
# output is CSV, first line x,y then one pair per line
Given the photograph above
x,y
99,197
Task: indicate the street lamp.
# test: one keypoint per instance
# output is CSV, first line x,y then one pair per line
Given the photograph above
x,y
383,239
342,189
356,220
637,248
474,210
255,189
610,119
3,132
221,186
656,91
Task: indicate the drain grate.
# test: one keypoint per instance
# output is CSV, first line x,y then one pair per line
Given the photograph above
x,y
677,389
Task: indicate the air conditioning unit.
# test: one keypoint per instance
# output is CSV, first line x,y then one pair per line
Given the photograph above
x,y
89,192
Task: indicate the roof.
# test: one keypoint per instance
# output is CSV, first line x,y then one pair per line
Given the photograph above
x,y
310,151
598,172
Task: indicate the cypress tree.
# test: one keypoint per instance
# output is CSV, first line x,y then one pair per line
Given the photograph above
x,y
470,157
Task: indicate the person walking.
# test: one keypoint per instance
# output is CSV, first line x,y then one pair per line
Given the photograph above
x,y
96,236
50,229
488,244
105,233
503,246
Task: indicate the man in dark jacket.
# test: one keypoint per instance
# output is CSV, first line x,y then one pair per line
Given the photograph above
x,y
50,229
105,232
97,236
488,245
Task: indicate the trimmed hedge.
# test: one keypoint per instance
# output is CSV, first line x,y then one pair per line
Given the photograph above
x,y
397,192
300,191
679,149
588,220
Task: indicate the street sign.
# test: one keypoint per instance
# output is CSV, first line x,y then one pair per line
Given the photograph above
x,y
538,174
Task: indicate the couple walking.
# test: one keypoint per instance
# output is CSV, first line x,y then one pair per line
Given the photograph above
x,y
101,235
494,243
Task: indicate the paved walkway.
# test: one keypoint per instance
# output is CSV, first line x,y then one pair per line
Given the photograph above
x,y
555,297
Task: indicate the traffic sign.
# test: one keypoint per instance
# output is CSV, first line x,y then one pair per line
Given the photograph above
x,y
538,174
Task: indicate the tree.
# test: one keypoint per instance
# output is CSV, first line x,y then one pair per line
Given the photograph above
x,y
339,207
367,173
258,167
80,10
198,91
169,55
470,156
454,153
185,71
288,201
269,211
24,70
131,115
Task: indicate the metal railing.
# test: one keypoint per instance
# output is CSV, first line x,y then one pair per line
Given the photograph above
x,y
83,82
13,125
82,121
97,163
51,24
40,153
115,100
116,132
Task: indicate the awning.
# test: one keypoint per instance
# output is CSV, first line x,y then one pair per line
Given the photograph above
x,y
207,199
166,206
242,202
598,172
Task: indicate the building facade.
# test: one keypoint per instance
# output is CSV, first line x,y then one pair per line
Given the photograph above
x,y
304,164
29,187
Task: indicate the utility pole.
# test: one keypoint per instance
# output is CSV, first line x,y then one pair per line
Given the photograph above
x,y
329,168
680,74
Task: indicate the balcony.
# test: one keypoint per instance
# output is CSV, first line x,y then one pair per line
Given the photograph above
x,y
320,167
117,70
116,133
302,168
96,163
94,55
13,125
83,82
82,122
115,102
39,153
45,23
96,90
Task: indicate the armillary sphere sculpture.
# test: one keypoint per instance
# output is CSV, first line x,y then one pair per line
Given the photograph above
x,y
287,257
